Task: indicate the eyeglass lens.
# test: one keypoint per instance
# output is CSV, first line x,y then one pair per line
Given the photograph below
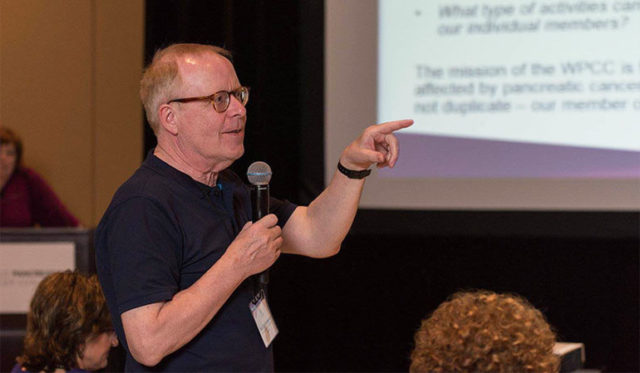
x,y
221,100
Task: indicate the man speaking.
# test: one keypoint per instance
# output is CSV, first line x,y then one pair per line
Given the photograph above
x,y
176,249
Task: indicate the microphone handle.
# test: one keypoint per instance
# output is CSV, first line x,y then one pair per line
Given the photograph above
x,y
260,208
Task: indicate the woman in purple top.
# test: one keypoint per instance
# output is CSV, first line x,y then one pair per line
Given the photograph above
x,y
68,326
25,198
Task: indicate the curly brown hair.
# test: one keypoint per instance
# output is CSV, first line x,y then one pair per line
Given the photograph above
x,y
483,331
67,309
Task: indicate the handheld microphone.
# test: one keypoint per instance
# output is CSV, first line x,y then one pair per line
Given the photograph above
x,y
259,175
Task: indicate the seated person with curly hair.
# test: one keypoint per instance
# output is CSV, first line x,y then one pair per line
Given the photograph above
x,y
68,326
484,332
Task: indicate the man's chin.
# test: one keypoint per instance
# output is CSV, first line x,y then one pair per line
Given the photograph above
x,y
232,157
239,154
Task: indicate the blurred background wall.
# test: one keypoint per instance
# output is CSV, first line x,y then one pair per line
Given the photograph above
x,y
69,72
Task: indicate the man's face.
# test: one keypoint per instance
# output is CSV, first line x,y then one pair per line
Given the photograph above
x,y
205,136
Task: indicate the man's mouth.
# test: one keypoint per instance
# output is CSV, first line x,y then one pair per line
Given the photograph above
x,y
237,131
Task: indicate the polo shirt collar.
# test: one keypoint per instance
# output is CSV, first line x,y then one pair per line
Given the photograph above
x,y
163,168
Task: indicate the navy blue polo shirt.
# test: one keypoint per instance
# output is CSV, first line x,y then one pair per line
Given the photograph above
x,y
162,232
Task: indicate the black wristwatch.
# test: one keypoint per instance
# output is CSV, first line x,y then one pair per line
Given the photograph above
x,y
351,174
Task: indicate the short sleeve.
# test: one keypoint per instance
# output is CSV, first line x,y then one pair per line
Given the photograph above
x,y
143,253
282,209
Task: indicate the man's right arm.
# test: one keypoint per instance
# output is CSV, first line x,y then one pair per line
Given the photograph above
x,y
155,330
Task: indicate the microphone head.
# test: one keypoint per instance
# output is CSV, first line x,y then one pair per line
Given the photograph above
x,y
259,173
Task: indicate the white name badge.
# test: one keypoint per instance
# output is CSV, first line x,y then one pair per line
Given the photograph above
x,y
263,318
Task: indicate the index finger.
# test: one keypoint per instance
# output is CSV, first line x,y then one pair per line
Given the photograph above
x,y
389,127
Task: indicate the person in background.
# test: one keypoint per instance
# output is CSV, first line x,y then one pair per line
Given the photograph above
x,y
68,326
483,331
26,200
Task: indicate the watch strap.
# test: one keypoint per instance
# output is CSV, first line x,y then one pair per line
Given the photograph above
x,y
351,174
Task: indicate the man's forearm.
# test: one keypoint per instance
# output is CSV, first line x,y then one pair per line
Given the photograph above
x,y
318,230
156,330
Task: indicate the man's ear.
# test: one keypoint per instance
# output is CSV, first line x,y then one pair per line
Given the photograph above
x,y
167,118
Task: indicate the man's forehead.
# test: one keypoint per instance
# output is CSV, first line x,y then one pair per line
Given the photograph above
x,y
203,72
206,61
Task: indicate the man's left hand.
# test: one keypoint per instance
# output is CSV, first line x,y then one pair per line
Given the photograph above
x,y
377,144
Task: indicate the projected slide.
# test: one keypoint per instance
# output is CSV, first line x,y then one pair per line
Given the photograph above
x,y
512,88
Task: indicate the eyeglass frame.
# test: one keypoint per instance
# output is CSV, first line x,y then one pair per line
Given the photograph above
x,y
211,98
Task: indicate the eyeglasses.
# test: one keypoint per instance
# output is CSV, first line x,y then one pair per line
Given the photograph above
x,y
221,99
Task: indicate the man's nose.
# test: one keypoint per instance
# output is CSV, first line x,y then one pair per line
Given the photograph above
x,y
235,107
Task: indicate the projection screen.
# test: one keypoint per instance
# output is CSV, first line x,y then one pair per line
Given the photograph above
x,y
518,105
